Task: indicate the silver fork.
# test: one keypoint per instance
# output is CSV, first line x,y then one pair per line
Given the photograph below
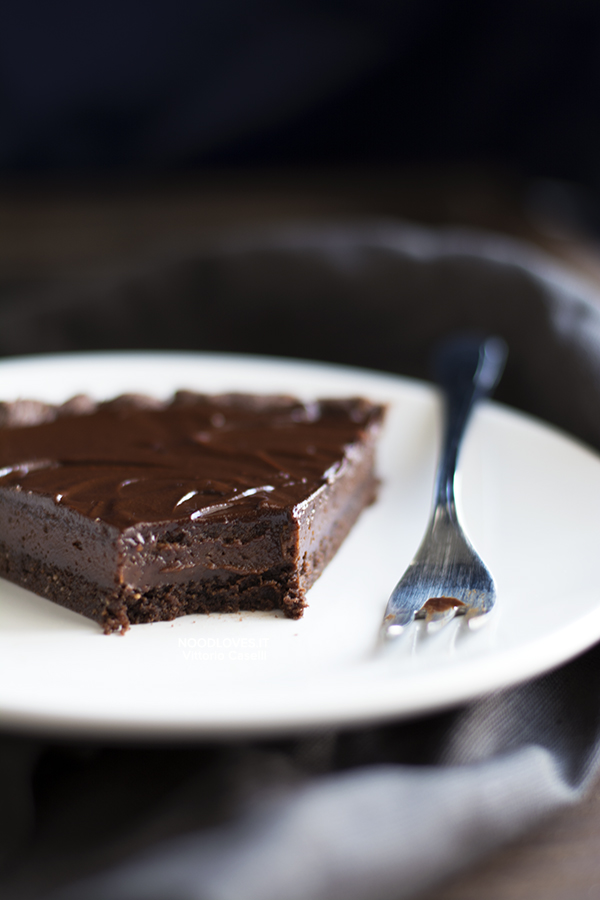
x,y
447,577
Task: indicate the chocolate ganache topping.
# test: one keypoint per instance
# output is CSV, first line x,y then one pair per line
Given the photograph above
x,y
135,459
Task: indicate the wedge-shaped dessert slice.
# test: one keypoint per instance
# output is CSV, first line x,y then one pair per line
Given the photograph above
x,y
137,510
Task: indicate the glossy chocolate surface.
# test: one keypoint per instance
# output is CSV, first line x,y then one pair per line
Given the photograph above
x,y
135,460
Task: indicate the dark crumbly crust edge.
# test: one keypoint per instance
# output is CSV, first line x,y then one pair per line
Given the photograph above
x,y
117,609
311,568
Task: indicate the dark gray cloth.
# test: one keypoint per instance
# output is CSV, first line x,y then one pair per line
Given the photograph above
x,y
380,812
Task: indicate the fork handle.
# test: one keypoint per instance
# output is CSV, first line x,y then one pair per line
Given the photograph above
x,y
467,369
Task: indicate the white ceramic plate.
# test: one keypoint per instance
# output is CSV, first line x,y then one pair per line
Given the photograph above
x,y
530,501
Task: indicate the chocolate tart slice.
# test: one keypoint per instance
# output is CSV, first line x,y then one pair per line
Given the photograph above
x,y
137,510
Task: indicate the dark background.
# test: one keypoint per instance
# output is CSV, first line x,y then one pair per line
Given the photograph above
x,y
148,86
134,130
